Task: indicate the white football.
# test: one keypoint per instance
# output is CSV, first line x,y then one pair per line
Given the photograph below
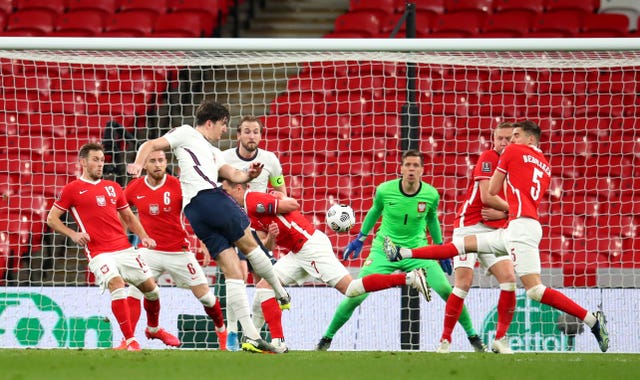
x,y
340,218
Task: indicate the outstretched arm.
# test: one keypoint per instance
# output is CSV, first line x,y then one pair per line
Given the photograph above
x,y
145,149
238,176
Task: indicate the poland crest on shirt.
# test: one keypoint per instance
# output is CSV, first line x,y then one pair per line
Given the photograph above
x,y
422,206
101,200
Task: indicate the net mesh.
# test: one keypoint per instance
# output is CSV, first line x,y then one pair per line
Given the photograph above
x,y
334,120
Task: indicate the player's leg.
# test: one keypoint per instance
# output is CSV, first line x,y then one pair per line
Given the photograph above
x,y
232,321
523,237
107,275
261,264
502,270
212,308
267,306
153,261
463,277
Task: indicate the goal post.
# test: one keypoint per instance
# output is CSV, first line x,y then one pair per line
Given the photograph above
x,y
333,111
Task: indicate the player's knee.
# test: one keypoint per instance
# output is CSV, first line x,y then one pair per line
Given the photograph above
x,y
536,292
135,292
153,295
355,288
208,300
118,294
508,286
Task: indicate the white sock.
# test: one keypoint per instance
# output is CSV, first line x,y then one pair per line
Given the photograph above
x,y
405,253
237,301
355,288
459,292
262,267
590,319
232,321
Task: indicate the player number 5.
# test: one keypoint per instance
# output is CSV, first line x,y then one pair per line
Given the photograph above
x,y
535,189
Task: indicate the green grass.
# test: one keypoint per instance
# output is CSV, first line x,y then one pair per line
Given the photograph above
x,y
188,365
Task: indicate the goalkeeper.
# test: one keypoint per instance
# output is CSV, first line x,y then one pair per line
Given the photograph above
x,y
408,207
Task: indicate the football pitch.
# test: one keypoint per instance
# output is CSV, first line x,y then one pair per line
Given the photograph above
x,y
70,364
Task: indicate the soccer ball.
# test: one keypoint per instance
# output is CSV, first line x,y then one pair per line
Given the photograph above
x,y
340,218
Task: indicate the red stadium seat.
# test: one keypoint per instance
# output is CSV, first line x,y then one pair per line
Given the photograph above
x,y
568,23
295,103
9,123
452,6
512,81
303,164
178,25
28,145
565,82
424,20
151,7
556,105
106,7
519,23
585,6
347,103
83,22
617,24
36,22
338,126
502,105
612,81
55,7
464,23
282,126
434,6
132,23
604,188
531,6
385,6
213,12
581,204
8,185
566,224
610,166
368,22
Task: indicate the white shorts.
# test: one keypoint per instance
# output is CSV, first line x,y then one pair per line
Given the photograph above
x,y
182,266
495,239
316,259
127,264
522,240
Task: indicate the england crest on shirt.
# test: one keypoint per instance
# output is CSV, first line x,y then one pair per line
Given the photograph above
x,y
101,200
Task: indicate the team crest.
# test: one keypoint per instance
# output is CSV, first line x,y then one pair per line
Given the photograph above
x,y
260,208
422,206
486,167
154,209
101,200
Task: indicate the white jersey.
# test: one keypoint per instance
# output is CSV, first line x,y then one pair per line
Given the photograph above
x,y
272,167
199,161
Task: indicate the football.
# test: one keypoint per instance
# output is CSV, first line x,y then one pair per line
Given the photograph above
x,y
340,218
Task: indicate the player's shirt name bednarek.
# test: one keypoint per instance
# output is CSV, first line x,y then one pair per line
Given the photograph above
x,y
534,160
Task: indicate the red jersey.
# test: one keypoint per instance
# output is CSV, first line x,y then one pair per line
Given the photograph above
x,y
95,206
160,212
469,212
294,228
528,176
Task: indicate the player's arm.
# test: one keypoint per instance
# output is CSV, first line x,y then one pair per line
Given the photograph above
x,y
54,221
493,201
240,176
497,182
134,225
278,184
161,143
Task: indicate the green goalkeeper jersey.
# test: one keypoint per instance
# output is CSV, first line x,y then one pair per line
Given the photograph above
x,y
405,218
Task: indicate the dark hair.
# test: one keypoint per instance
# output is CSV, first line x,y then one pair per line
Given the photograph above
x,y
86,148
210,110
530,128
230,182
249,119
413,153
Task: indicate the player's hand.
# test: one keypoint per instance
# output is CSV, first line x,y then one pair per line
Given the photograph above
x,y
134,170
254,170
446,265
81,238
493,214
273,229
148,242
354,248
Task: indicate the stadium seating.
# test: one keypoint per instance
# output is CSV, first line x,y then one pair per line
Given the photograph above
x,y
151,7
482,6
567,23
134,23
366,22
607,25
55,7
463,23
86,23
516,23
211,12
185,25
106,7
30,22
531,6
584,6
629,8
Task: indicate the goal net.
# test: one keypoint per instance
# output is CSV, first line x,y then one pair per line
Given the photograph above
x,y
333,114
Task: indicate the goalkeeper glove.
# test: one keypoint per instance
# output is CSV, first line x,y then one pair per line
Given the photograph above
x,y
354,248
446,266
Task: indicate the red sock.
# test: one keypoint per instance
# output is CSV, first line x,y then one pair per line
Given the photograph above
x,y
215,313
435,252
134,311
506,308
451,315
273,317
121,312
153,312
558,300
374,282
